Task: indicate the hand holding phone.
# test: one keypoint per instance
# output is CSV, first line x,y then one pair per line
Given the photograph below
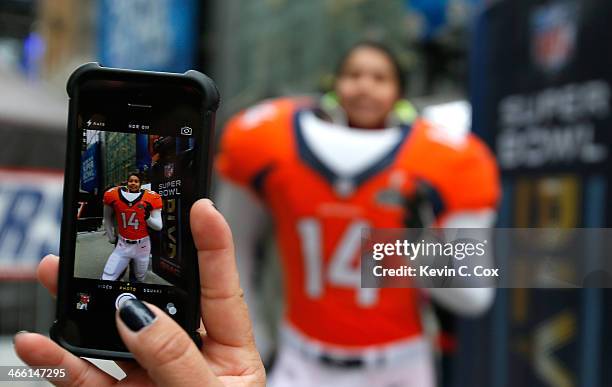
x,y
165,353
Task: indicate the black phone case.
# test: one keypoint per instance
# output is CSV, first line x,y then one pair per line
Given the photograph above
x,y
203,165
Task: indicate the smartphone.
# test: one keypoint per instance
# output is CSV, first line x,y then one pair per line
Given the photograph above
x,y
139,154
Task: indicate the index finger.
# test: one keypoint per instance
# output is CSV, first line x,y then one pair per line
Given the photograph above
x,y
224,311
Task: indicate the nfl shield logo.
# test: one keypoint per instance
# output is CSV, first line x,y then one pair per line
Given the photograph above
x,y
553,35
168,170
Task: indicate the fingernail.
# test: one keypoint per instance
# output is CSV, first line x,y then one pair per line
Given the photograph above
x,y
17,334
210,202
136,315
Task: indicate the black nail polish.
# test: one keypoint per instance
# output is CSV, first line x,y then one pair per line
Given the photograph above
x,y
136,315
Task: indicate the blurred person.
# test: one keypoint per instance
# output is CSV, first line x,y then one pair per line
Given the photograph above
x,y
165,354
326,169
128,212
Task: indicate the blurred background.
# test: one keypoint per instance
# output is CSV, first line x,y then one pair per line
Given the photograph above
x,y
535,73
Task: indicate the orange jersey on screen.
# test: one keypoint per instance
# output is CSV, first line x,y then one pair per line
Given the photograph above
x,y
131,216
319,217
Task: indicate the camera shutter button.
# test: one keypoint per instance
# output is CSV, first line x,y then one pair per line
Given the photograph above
x,y
123,297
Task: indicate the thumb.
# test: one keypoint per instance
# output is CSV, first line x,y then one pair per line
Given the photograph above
x,y
162,347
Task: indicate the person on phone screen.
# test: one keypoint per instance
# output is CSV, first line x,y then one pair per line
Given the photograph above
x,y
128,211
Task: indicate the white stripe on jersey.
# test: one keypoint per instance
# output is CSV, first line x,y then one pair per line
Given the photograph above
x,y
129,196
347,151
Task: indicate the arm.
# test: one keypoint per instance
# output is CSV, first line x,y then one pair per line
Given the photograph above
x,y
466,193
155,220
109,227
467,301
247,219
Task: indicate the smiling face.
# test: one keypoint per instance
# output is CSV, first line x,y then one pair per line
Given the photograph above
x,y
133,183
367,87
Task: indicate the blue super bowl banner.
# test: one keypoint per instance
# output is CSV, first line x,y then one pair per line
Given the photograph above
x,y
90,164
541,95
143,156
156,35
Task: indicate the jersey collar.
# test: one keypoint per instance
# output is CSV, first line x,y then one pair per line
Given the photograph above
x,y
344,186
130,203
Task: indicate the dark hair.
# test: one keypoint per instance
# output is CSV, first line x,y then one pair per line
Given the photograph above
x,y
137,174
384,49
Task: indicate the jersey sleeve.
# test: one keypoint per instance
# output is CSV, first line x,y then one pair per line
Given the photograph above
x,y
252,141
472,179
155,200
109,196
460,171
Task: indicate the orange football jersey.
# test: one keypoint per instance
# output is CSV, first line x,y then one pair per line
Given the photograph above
x,y
130,216
319,227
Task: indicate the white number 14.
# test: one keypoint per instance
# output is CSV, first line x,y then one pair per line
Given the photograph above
x,y
132,221
341,272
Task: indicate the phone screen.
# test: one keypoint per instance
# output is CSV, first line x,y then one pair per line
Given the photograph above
x,y
139,151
